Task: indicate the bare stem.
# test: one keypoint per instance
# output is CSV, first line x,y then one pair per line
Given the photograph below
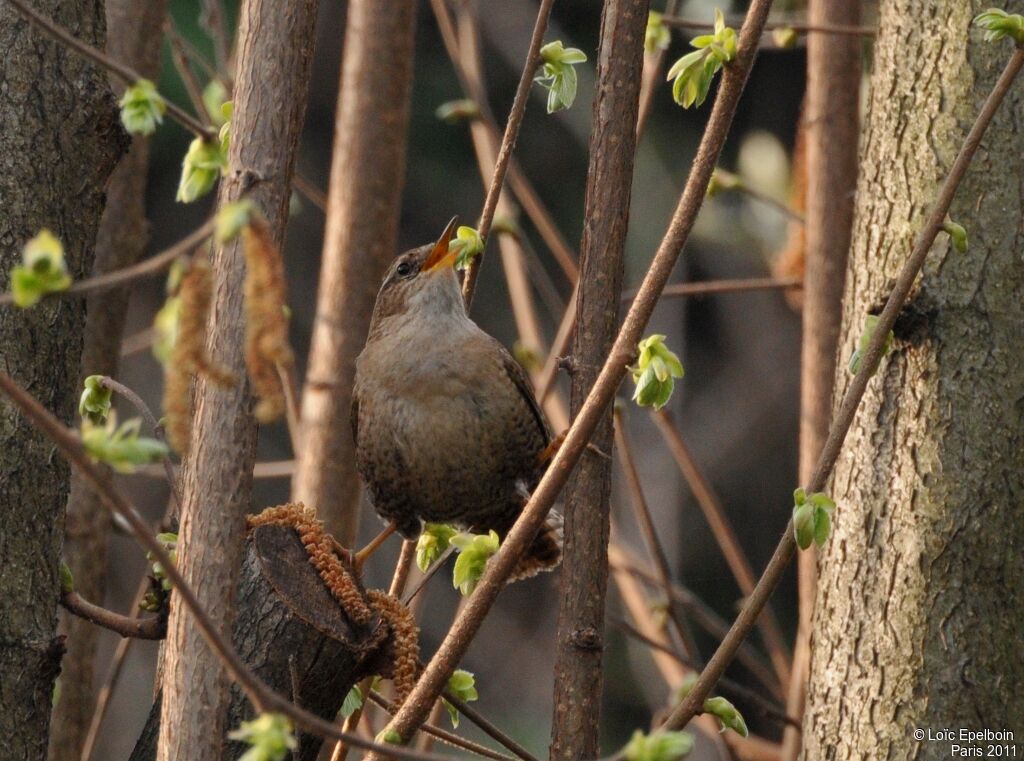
x,y
125,73
732,285
154,265
127,626
851,401
801,27
508,141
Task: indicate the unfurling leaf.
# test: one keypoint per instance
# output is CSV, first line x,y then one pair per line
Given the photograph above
x,y
200,169
558,75
998,23
468,244
215,95
657,36
389,737
67,580
722,181
654,373
692,74
957,235
269,735
433,541
232,218
352,703
870,323
42,271
169,541
474,552
658,746
727,714
120,447
94,403
461,684
142,108
812,518
785,37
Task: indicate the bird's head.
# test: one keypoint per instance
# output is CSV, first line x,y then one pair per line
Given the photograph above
x,y
422,282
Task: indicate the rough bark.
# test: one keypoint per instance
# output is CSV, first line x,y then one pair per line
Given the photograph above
x,y
288,621
367,175
920,593
274,53
134,31
578,683
832,129
59,139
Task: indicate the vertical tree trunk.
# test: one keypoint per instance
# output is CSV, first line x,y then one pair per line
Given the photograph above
x,y
134,32
274,53
832,131
921,593
367,174
578,663
60,139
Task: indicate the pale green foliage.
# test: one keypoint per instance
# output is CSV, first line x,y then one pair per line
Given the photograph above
x,y
727,715
200,169
474,552
457,111
657,36
389,737
558,75
269,735
167,319
142,108
42,271
94,403
120,447
461,684
169,540
352,703
692,74
231,218
433,541
215,95
654,372
812,518
658,746
722,181
998,23
870,323
785,37
957,235
468,243
67,579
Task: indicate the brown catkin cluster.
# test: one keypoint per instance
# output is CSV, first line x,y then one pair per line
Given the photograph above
x,y
266,334
320,548
188,355
405,637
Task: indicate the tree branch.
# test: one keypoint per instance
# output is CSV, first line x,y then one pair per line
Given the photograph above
x,y
851,401
801,27
127,626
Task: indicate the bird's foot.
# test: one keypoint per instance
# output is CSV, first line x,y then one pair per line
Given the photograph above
x,y
361,557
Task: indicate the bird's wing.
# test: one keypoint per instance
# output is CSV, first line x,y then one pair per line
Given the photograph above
x,y
521,381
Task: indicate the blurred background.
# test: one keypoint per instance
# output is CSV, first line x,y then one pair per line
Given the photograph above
x,y
736,407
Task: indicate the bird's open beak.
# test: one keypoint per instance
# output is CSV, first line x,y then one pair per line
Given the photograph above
x,y
440,256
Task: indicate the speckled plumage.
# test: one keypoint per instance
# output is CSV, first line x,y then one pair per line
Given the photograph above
x,y
446,426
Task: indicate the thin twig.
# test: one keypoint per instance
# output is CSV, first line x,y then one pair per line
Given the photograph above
x,y
650,534
442,734
851,401
508,141
212,19
179,56
800,27
732,183
426,576
158,430
488,728
653,67
730,686
154,265
262,697
290,389
154,627
501,565
725,536
125,73
731,285
310,192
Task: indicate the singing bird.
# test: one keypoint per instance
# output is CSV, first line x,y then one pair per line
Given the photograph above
x,y
446,424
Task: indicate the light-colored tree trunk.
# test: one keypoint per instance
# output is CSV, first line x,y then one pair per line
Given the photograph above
x,y
275,40
921,591
134,31
367,175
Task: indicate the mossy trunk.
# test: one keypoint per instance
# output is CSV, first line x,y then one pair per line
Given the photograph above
x,y
59,141
921,592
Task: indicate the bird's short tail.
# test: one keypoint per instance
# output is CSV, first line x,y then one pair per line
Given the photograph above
x,y
546,551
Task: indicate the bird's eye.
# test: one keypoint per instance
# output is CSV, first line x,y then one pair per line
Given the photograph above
x,y
404,269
